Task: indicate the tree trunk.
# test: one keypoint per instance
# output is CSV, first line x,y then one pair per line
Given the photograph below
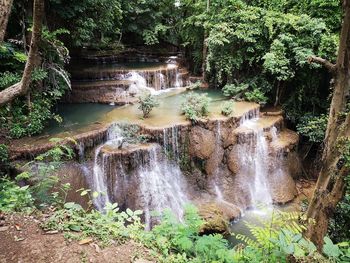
x,y
5,11
330,184
204,55
21,88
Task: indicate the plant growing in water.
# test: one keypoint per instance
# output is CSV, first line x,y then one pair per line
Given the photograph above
x,y
146,104
227,108
195,106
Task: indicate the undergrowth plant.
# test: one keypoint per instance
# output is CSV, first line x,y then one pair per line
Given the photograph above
x,y
42,173
195,106
228,108
14,198
112,225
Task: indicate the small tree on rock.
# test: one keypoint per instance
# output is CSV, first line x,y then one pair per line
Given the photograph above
x,y
146,104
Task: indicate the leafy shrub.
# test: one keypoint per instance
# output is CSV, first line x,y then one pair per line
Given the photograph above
x,y
235,90
8,78
46,188
112,225
131,133
4,155
227,108
245,91
146,104
256,95
14,198
181,242
339,228
195,106
313,127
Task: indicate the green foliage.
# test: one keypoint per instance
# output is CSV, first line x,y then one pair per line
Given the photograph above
x,y
7,79
42,172
181,242
49,83
339,228
130,133
243,91
235,90
256,95
270,40
313,127
112,225
159,21
195,106
4,155
228,108
92,23
14,198
146,104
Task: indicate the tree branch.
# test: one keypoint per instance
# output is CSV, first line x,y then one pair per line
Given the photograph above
x,y
5,11
21,87
324,62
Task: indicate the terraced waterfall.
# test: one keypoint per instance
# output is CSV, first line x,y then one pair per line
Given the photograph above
x,y
230,163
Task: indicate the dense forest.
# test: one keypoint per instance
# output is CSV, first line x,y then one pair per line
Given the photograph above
x,y
287,56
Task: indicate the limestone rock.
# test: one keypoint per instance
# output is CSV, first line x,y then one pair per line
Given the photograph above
x,y
202,142
230,138
283,190
232,161
217,216
214,219
212,165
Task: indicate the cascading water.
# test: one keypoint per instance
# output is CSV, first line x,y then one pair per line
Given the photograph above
x,y
218,192
153,182
99,176
153,81
171,142
162,186
253,159
138,84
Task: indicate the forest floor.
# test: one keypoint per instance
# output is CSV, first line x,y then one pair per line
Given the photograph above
x,y
22,240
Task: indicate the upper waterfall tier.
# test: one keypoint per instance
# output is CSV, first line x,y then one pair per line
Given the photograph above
x,y
119,83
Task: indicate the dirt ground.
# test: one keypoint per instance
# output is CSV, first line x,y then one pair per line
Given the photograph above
x,y
22,240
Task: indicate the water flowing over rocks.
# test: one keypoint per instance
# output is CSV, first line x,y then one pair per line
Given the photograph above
x,y
118,81
224,165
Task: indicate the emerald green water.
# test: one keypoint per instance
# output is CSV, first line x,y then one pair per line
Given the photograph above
x,y
137,65
80,116
76,116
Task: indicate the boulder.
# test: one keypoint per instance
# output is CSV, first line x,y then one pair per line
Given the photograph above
x,y
232,162
217,216
202,142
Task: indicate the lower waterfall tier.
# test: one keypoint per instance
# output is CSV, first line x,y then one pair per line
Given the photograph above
x,y
227,163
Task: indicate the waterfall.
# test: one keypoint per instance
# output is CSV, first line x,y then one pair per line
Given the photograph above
x,y
100,161
171,142
218,192
253,156
162,186
99,180
138,83
139,177
81,151
153,80
273,132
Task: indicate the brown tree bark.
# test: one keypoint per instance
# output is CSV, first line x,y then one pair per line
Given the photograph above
x,y
330,184
5,11
21,88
